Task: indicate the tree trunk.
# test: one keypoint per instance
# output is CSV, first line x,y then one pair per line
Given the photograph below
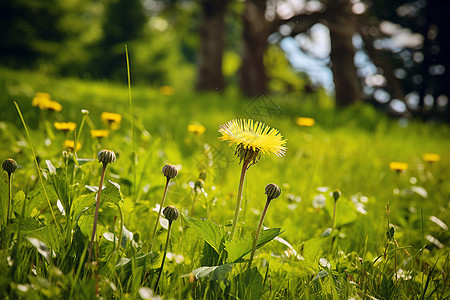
x,y
341,23
212,29
252,76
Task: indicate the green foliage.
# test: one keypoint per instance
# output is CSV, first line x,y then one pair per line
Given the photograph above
x,y
238,248
347,149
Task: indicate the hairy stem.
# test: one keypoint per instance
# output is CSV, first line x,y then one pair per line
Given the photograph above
x,y
96,211
255,241
159,214
164,256
239,198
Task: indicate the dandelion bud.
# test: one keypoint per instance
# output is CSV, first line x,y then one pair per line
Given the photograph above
x,y
272,191
170,171
202,175
171,213
9,165
106,156
199,184
85,112
336,195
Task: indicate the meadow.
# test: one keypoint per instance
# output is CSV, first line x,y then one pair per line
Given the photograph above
x,y
348,224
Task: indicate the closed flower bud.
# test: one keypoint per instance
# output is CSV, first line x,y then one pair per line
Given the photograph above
x,y
199,184
170,171
106,156
272,191
9,165
171,213
202,175
336,195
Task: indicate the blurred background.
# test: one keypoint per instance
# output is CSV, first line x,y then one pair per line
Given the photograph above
x,y
393,54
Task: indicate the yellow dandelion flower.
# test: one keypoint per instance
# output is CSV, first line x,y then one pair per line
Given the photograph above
x,y
431,157
70,145
257,136
99,133
112,120
305,122
252,139
166,90
39,98
196,129
398,166
50,105
65,126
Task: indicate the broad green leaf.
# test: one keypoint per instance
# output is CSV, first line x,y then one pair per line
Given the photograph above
x,y
346,212
31,227
36,199
250,284
61,188
213,273
314,248
212,233
240,247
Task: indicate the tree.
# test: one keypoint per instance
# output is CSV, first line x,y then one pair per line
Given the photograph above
x,y
123,23
212,30
252,75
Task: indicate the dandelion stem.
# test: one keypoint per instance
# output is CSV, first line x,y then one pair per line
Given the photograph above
x,y
239,198
8,217
164,256
96,211
159,214
193,203
255,241
334,215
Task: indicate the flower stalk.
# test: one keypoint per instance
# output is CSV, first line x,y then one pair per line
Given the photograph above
x,y
237,209
105,157
171,213
170,171
272,191
10,166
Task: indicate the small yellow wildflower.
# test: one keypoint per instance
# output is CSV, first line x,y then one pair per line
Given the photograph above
x,y
50,105
69,144
112,120
166,90
257,136
305,122
99,133
196,129
65,126
398,166
39,98
431,157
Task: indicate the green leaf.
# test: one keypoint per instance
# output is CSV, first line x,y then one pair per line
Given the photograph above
x,y
250,284
313,248
212,273
31,227
125,264
240,247
60,186
212,233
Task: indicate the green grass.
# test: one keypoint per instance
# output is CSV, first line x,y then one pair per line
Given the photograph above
x,y
347,149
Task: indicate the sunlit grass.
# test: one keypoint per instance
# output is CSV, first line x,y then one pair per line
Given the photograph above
x,y
349,150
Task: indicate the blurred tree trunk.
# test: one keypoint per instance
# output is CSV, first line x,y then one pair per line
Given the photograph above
x,y
342,25
212,30
252,76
